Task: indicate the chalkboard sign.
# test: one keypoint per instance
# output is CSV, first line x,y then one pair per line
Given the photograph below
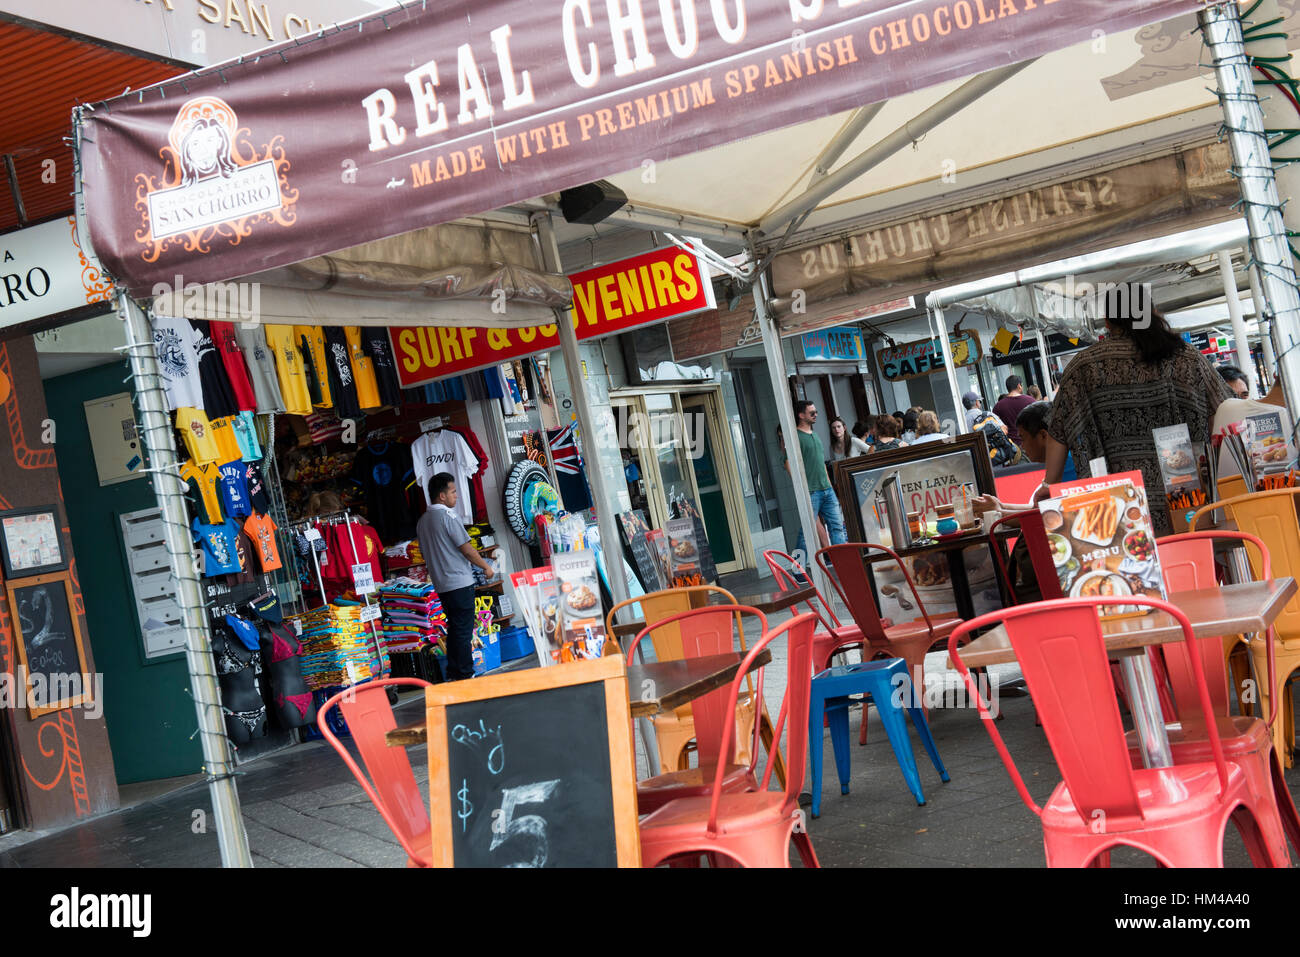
x,y
634,529
47,635
684,507
534,769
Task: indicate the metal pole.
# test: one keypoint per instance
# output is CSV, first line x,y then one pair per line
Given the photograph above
x,y
1265,331
1253,168
169,489
945,349
605,501
1044,365
1239,336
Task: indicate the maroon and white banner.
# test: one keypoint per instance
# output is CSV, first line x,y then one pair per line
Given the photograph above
x,y
445,109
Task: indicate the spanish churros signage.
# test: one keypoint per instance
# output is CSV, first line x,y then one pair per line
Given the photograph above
x,y
424,114
646,289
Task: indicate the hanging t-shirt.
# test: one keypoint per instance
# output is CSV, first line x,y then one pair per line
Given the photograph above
x,y
220,545
232,358
218,397
478,503
445,451
234,490
173,341
260,360
569,471
196,431
289,370
374,341
261,529
338,361
311,339
205,478
381,470
223,431
256,488
245,425
363,371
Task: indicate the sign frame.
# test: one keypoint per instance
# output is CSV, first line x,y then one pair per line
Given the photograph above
x,y
973,355
609,671
12,586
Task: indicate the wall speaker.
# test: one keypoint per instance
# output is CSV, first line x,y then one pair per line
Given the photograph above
x,y
591,203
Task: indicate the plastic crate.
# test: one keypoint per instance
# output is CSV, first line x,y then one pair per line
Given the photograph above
x,y
515,643
488,657
337,725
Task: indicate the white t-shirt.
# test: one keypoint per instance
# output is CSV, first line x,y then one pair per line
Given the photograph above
x,y
260,359
446,451
173,341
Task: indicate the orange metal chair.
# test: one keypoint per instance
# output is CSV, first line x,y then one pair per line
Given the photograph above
x,y
1187,561
394,793
1178,814
1271,517
835,636
753,828
703,631
675,732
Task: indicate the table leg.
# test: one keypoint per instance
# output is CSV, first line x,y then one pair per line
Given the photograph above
x,y
1144,704
960,583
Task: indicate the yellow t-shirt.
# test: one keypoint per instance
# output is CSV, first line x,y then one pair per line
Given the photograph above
x,y
316,343
205,477
197,432
363,371
283,341
223,431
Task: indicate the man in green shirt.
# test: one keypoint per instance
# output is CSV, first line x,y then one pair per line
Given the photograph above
x,y
824,503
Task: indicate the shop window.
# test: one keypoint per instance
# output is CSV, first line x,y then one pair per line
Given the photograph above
x,y
649,356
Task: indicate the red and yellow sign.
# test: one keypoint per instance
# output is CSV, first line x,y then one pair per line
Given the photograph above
x,y
653,287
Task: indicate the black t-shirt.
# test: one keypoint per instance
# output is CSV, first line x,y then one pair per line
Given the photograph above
x,y
343,389
218,397
309,369
256,489
380,470
374,343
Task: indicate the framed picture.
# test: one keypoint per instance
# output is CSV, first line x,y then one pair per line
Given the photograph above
x,y
930,474
50,647
30,543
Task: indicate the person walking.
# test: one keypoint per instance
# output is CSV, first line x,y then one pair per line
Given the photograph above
x,y
974,404
824,503
1009,409
450,557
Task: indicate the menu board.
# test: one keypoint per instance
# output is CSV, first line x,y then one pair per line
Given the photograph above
x,y
684,507
582,617
1177,457
1102,540
683,553
537,596
635,530
1266,437
657,541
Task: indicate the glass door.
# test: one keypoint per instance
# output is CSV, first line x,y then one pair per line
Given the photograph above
x,y
717,481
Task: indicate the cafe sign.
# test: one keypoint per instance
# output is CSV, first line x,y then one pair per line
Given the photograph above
x,y
842,343
914,359
609,299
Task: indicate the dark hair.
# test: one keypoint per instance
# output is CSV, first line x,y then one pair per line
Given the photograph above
x,y
801,405
909,421
1033,418
1130,311
843,447
1013,383
969,401
1232,374
438,484
887,427
863,426
897,413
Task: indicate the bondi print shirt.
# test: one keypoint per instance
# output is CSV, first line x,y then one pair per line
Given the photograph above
x,y
220,545
445,451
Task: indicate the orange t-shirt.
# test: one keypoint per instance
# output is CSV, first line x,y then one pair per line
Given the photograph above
x,y
261,529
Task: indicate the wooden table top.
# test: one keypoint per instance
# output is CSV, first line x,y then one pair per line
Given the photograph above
x,y
652,688
951,544
767,602
1229,610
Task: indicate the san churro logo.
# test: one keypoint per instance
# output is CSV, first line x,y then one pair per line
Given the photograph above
x,y
215,183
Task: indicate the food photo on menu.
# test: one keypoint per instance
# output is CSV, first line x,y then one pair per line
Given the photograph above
x,y
581,634
683,553
1102,540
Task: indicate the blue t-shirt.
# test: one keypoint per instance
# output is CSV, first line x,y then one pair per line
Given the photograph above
x,y
1068,473
220,547
233,489
250,450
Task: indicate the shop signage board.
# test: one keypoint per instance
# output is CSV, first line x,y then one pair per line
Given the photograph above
x,y
913,359
646,289
533,769
385,126
836,343
43,274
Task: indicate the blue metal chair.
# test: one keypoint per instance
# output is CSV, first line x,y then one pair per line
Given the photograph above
x,y
887,682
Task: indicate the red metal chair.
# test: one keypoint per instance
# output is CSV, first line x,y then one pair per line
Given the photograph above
x,y
835,636
394,793
1178,814
1187,561
710,630
909,640
753,829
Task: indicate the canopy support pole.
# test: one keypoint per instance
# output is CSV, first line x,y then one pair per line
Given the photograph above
x,y
945,349
610,543
169,490
1239,336
1253,169
1044,365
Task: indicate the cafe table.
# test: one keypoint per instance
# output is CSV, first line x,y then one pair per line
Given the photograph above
x,y
653,687
952,550
1242,608
768,602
